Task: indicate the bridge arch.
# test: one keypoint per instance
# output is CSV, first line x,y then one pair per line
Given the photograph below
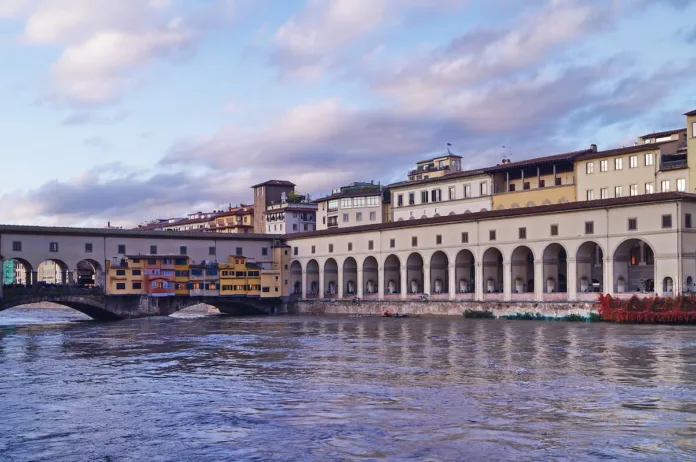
x,y
89,272
52,271
17,271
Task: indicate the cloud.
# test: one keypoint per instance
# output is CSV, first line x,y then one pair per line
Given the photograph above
x,y
316,39
94,117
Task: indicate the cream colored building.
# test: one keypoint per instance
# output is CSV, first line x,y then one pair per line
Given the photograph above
x,y
353,205
691,145
569,251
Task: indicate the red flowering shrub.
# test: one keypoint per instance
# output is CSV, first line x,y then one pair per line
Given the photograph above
x,y
649,310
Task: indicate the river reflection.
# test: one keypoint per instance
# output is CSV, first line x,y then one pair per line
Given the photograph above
x,y
285,388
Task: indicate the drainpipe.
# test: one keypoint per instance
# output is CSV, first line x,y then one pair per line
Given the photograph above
x,y
680,270
608,275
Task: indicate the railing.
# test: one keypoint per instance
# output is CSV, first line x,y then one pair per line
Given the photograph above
x,y
427,170
50,290
673,164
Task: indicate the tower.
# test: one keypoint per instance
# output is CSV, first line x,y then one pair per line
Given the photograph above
x,y
265,194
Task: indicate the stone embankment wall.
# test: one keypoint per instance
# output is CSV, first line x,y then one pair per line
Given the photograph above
x,y
442,308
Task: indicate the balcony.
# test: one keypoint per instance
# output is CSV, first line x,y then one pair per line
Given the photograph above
x,y
673,164
420,171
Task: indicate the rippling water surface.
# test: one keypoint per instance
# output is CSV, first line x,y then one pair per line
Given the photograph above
x,y
288,388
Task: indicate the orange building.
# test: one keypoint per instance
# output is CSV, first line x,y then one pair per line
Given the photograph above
x,y
238,220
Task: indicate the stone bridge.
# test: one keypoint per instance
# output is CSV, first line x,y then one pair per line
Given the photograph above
x,y
95,304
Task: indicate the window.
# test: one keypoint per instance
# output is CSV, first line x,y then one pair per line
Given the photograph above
x,y
373,201
373,216
211,250
554,230
632,224
121,249
53,247
137,272
314,249
589,168
414,241
649,188
589,227
358,216
183,250
465,238
330,248
452,193
603,165
542,183
522,233
264,251
633,162
346,203
16,246
618,163
687,220
633,190
511,187
484,188
649,159
438,239
392,243
664,186
618,191
345,218
491,235
294,251
681,185
424,197
350,247
467,190
294,227
239,251
400,200
88,247
120,286
120,272
151,261
526,185
370,245
411,198
559,181
666,221
137,285
359,202
153,250
323,220
589,194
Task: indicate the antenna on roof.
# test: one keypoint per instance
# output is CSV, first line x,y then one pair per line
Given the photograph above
x,y
506,158
449,145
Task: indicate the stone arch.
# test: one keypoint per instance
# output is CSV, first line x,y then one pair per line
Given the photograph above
x,y
465,272
296,278
350,276
392,275
555,265
493,277
498,207
452,213
89,272
17,271
515,205
330,277
530,204
53,272
589,264
466,211
634,267
668,286
484,209
424,217
522,270
439,273
436,215
370,269
312,288
562,200
546,202
414,273
400,219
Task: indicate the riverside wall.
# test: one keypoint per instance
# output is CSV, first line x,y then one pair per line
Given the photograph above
x,y
441,308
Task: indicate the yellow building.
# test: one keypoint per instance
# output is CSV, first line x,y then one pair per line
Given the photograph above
x,y
436,167
275,281
691,147
181,276
124,277
239,277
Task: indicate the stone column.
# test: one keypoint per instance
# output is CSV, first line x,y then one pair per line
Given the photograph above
x,y
322,289
572,279
34,279
304,287
404,282
609,276
64,277
479,282
451,282
71,277
359,283
380,283
507,280
339,292
539,280
426,279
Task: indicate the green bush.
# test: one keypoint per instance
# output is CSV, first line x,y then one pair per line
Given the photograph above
x,y
475,314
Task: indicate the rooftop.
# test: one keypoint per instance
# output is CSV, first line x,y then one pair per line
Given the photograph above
x,y
446,177
275,183
441,156
625,150
661,134
372,190
691,113
154,257
493,214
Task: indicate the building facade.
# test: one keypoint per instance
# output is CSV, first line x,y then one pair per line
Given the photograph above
x,y
353,205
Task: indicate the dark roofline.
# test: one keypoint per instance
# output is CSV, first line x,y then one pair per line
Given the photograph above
x,y
625,150
664,133
537,161
447,177
495,214
449,154
146,257
275,183
105,232
691,113
374,192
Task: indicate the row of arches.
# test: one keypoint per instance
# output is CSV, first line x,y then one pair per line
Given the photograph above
x,y
526,273
20,272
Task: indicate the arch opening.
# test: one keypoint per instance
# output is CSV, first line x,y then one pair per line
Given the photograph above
x,y
370,270
589,264
634,267
89,273
414,274
54,272
330,278
350,276
465,272
522,270
555,263
312,279
439,273
392,275
16,272
296,279
492,271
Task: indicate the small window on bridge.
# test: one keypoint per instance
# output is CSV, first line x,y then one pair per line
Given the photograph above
x,y
121,286
137,285
137,272
153,250
211,250
88,247
121,249
17,246
264,251
53,247
183,250
239,251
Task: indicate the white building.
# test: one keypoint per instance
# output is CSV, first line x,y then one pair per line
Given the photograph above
x,y
353,205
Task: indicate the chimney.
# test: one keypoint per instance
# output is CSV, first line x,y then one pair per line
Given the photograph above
x,y
593,147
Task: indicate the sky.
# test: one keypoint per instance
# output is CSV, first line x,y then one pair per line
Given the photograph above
x,y
130,110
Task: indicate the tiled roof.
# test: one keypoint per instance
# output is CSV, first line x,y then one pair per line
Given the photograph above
x,y
493,214
110,232
447,154
661,134
621,151
245,211
376,191
145,257
538,161
691,113
447,177
275,183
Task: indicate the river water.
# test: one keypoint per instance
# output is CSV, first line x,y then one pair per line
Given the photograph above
x,y
290,388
